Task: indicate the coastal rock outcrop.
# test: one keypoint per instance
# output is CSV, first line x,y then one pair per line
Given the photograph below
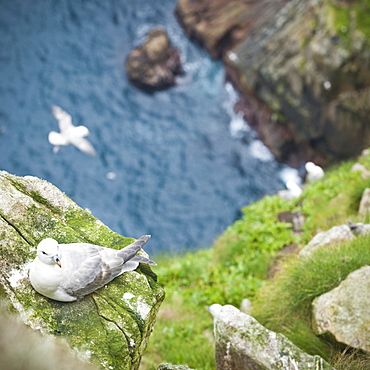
x,y
302,67
110,327
155,64
344,311
334,235
243,343
218,25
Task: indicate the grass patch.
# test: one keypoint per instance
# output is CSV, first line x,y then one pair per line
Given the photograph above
x,y
291,294
237,267
181,336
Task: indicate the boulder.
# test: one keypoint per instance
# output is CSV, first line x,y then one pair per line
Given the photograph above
x,y
358,167
359,228
110,327
344,311
155,64
243,343
334,235
365,202
166,366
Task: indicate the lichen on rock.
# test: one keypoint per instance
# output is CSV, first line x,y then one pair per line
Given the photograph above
x,y
104,327
243,343
302,68
343,312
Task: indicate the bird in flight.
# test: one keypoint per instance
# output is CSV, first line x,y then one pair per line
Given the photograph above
x,y
69,133
66,272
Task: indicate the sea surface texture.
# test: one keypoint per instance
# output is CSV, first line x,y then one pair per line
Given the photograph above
x,y
178,164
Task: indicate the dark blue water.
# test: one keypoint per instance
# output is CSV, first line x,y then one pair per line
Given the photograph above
x,y
182,165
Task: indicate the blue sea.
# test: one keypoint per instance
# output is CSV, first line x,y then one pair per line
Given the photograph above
x,y
178,164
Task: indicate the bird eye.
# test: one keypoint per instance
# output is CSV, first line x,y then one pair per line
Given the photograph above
x,y
44,252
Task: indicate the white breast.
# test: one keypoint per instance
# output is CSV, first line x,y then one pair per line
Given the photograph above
x,y
46,280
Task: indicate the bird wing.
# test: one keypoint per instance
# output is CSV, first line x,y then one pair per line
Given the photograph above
x,y
84,145
88,267
64,119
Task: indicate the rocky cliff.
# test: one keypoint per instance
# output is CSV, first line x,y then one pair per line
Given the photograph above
x,y
110,327
302,67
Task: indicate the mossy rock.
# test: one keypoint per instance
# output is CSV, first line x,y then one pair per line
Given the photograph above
x,y
110,327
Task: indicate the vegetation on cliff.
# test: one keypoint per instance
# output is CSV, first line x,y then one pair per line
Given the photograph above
x,y
247,261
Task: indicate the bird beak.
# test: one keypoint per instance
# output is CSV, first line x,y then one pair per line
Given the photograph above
x,y
56,260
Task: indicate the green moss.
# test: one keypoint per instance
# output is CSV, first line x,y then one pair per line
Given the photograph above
x,y
101,327
345,19
93,231
362,17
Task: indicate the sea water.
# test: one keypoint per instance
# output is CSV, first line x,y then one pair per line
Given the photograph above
x,y
177,164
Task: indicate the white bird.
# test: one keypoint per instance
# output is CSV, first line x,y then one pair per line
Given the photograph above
x,y
65,272
69,133
293,190
314,172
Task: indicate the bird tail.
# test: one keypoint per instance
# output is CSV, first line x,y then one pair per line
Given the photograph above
x,y
129,253
143,259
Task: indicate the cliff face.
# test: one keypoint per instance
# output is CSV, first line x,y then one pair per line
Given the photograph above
x,y
303,70
109,327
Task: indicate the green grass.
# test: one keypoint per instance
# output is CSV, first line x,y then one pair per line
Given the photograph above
x,y
290,295
237,267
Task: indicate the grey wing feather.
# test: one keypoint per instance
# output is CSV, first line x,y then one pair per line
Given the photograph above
x,y
88,270
142,259
92,266
130,251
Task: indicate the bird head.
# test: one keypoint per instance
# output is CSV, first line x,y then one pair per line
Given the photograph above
x,y
48,252
309,166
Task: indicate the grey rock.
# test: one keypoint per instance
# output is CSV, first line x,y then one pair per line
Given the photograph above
x,y
344,311
358,167
110,327
365,202
333,235
166,366
243,343
295,218
246,306
23,348
359,228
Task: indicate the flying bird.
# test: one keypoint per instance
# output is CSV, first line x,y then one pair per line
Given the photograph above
x,y
66,272
69,133
314,172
